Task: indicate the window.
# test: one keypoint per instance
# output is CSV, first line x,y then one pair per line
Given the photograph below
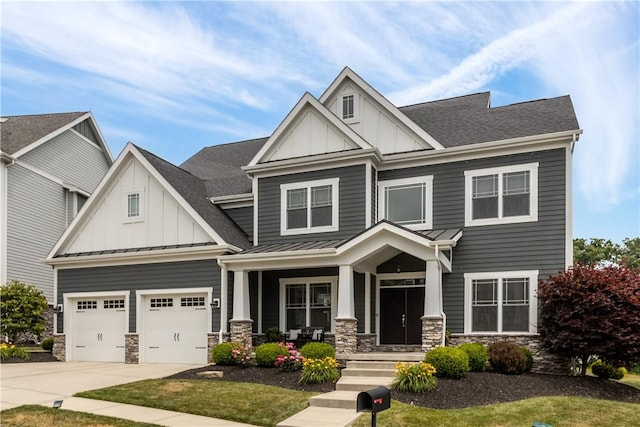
x,y
407,202
307,302
134,205
309,207
113,303
87,305
502,195
348,106
161,302
500,302
192,302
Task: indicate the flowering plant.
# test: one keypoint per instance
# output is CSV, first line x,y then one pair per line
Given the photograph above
x,y
290,362
415,378
241,355
10,350
315,371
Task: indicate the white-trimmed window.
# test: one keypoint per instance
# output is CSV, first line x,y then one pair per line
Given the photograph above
x,y
309,207
501,302
307,301
349,107
501,195
134,205
407,202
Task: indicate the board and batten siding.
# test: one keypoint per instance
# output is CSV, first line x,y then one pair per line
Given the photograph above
x,y
72,159
352,212
243,217
132,278
36,218
536,245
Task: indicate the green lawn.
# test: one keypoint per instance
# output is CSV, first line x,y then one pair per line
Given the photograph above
x,y
631,379
40,416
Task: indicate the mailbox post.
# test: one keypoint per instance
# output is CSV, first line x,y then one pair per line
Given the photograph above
x,y
374,400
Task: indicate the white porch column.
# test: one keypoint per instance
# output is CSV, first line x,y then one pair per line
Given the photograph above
x,y
367,302
346,308
241,301
433,290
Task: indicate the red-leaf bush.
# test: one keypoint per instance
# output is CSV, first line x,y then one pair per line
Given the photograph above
x,y
591,310
507,358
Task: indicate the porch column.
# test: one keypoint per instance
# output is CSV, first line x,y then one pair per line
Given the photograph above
x,y
346,323
241,322
433,319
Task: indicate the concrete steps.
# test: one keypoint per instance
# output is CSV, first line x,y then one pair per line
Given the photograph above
x,y
315,416
335,399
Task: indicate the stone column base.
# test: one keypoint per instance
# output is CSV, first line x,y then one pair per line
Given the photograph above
x,y
131,348
241,331
432,332
60,347
346,336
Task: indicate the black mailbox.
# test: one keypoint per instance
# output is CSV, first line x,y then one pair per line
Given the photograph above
x,y
374,400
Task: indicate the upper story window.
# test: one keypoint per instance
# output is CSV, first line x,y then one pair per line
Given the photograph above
x,y
349,108
309,207
501,195
500,302
407,202
134,205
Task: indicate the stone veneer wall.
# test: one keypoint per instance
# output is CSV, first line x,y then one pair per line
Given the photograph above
x,y
241,331
432,328
59,347
543,361
131,348
346,336
366,343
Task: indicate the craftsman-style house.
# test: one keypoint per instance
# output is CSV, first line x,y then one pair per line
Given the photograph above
x,y
384,227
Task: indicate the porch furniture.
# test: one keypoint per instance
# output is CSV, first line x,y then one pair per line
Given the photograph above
x,y
301,336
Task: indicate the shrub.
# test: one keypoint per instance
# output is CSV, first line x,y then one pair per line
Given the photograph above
x,y
606,370
47,344
241,355
316,371
414,377
21,310
272,334
529,356
450,362
267,353
222,354
291,361
317,350
477,354
507,358
10,350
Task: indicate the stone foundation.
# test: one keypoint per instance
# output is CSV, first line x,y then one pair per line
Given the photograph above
x,y
131,348
366,343
432,330
346,336
241,331
59,347
543,361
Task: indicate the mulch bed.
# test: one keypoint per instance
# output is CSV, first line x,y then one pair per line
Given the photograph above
x,y
476,389
33,357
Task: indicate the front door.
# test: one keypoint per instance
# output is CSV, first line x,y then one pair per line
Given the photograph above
x,y
401,309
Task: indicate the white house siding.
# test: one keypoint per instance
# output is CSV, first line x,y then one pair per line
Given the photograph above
x,y
164,221
35,220
72,159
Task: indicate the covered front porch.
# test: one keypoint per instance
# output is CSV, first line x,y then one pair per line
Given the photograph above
x,y
381,289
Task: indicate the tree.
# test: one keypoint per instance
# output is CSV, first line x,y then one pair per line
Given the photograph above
x,y
630,253
601,251
21,310
590,310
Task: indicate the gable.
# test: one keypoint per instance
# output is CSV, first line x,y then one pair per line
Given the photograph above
x,y
163,221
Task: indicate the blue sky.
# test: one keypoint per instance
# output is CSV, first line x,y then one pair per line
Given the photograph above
x,y
174,77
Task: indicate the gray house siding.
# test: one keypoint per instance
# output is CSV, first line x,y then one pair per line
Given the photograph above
x,y
71,159
36,217
525,246
170,275
84,128
351,200
244,218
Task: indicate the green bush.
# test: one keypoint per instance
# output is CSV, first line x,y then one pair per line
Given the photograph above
x,y
527,353
414,378
317,350
477,354
47,344
450,362
273,334
10,350
222,354
316,371
22,310
267,353
507,358
606,370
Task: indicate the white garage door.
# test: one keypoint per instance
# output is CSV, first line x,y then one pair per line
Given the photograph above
x,y
98,329
175,328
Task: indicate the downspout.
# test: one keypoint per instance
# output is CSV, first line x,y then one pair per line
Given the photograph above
x,y
444,316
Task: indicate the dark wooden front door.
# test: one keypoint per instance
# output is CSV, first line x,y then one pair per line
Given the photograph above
x,y
400,311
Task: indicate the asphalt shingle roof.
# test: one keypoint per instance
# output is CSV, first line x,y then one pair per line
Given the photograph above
x,y
17,132
193,190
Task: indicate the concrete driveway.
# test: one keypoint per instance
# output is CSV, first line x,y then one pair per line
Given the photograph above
x,y
42,383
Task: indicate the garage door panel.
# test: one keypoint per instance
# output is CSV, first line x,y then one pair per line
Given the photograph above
x,y
98,329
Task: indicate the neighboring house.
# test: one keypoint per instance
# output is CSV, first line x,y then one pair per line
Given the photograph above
x,y
384,226
51,163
